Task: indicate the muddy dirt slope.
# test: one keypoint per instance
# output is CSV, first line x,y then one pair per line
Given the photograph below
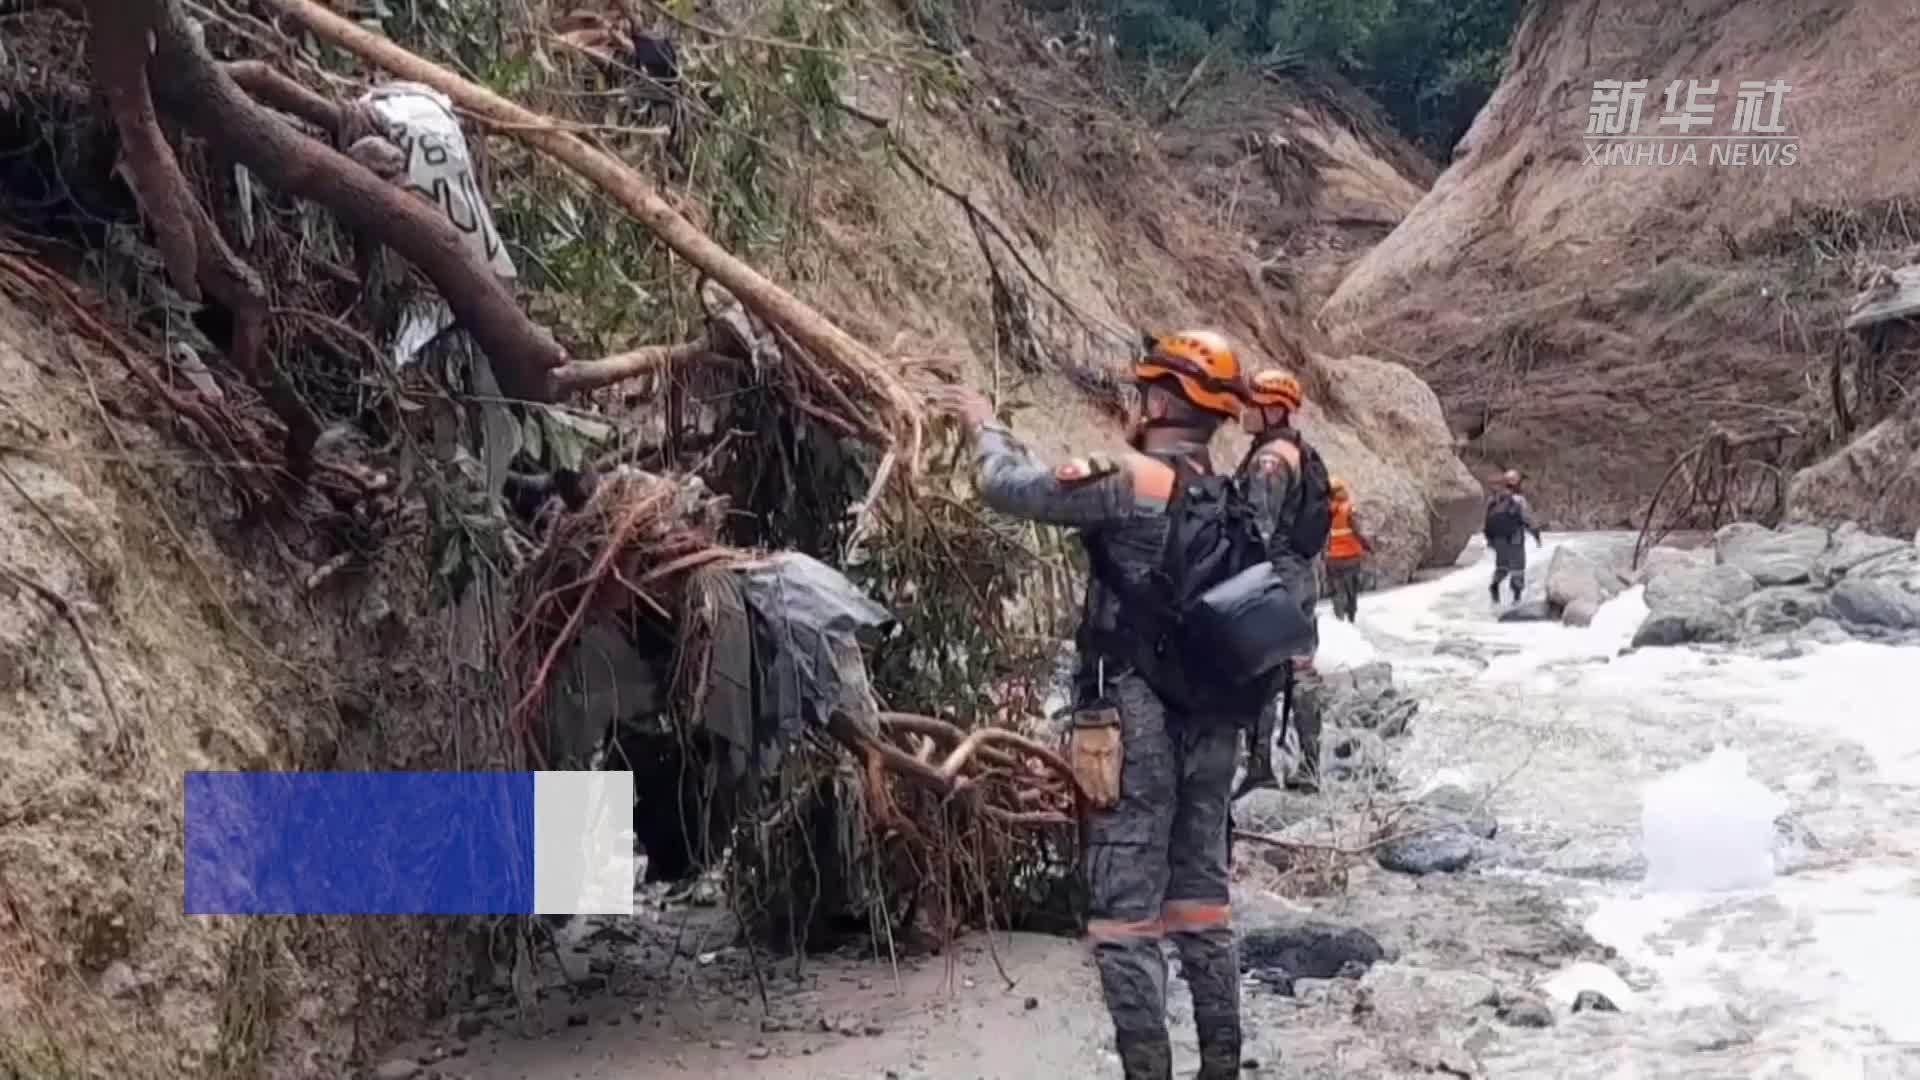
x,y
1588,322
120,562
1051,226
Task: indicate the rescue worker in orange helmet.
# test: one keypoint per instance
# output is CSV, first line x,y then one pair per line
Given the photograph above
x,y
1287,484
1157,859
1347,551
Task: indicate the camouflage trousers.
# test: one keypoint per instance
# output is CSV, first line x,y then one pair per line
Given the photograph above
x,y
1157,866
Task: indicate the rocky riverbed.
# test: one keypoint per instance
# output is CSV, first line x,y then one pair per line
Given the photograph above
x,y
1465,900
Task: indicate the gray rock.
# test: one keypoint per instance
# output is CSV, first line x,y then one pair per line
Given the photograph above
x,y
1264,810
1445,850
1580,613
1576,577
1878,602
1661,560
1701,624
1854,547
1389,714
1528,611
1446,831
1409,991
397,1069
1594,1001
1687,588
1526,1011
119,980
1785,557
1825,631
1900,564
1458,803
1780,611
1366,680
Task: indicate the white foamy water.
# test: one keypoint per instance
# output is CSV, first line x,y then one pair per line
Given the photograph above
x,y
1802,968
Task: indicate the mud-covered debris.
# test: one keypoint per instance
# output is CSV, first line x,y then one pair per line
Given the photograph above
x,y
1277,956
1595,1001
1525,1011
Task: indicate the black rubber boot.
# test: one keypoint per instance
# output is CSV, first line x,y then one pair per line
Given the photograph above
x,y
1145,1058
1219,1052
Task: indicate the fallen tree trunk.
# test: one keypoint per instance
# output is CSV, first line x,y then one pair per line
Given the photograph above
x,y
639,197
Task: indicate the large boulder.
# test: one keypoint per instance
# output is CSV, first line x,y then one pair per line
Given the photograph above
x,y
1578,582
1783,557
1780,611
1660,560
1889,602
1874,481
1386,435
1689,587
1854,549
1696,622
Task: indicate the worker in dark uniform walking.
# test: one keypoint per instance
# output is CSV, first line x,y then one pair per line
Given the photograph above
x,y
1157,858
1509,520
1279,472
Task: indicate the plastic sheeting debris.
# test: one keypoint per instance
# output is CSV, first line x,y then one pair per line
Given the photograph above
x,y
808,621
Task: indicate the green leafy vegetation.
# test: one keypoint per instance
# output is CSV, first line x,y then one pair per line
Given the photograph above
x,y
1430,64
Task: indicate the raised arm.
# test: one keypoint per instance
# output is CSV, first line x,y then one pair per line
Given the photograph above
x,y
1085,493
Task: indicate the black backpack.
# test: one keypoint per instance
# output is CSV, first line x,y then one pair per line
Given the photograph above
x,y
1214,627
1312,520
1504,519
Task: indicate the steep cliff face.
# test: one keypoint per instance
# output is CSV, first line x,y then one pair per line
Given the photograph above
x,y
1235,218
1588,322
172,654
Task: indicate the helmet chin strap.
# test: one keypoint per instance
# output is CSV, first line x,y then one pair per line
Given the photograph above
x,y
1164,423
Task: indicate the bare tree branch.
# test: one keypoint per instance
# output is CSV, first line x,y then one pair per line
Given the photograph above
x,y
207,97
580,376
639,197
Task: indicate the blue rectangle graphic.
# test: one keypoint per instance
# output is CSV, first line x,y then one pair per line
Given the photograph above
x,y
360,843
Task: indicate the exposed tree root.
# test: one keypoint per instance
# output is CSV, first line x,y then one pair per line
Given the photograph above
x,y
869,375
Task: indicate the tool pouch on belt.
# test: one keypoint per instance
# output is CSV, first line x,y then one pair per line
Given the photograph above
x,y
1094,751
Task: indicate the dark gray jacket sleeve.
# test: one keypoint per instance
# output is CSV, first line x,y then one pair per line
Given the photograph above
x,y
1526,516
1010,481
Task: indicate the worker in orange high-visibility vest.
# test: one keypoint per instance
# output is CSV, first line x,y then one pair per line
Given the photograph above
x,y
1347,551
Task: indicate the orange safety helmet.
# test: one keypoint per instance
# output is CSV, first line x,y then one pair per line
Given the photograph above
x,y
1202,363
1337,486
1274,387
